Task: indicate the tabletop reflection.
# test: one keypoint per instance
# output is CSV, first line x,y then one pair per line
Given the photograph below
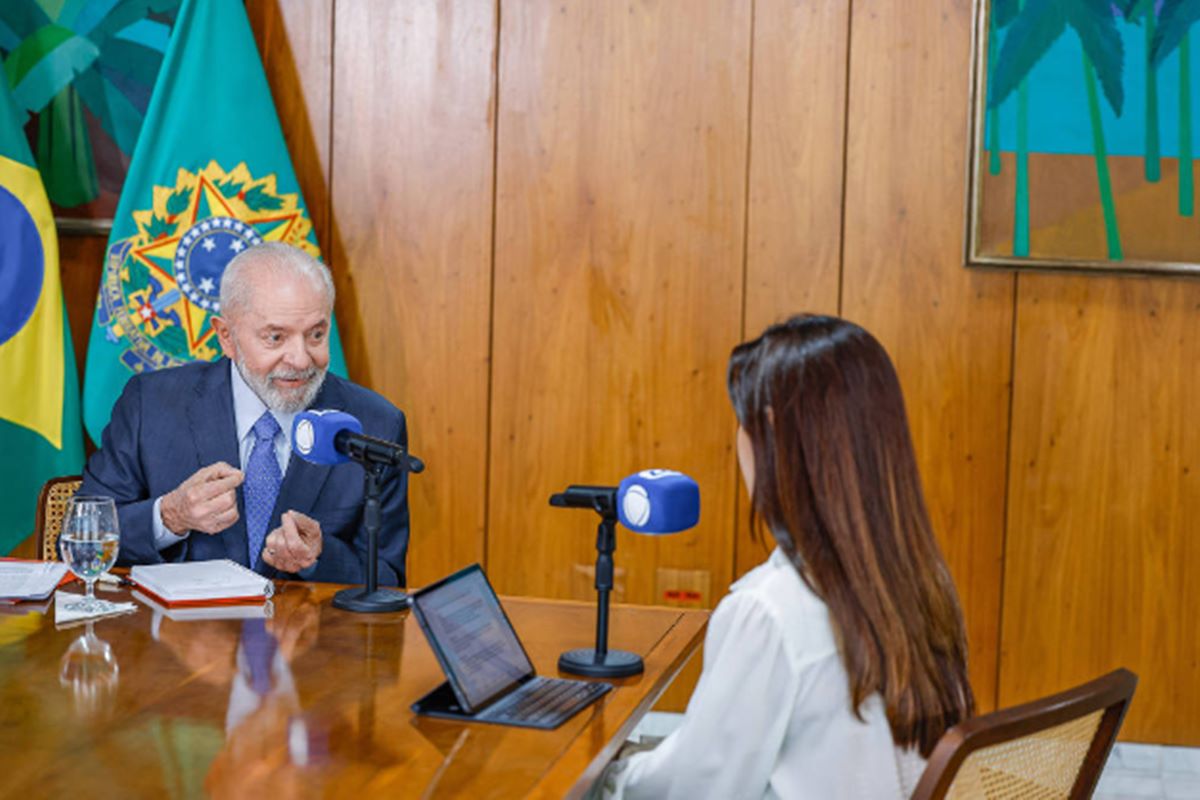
x,y
90,670
300,699
266,731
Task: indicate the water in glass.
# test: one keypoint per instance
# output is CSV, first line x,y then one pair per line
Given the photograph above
x,y
90,541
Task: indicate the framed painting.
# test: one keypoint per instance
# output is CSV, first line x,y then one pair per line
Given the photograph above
x,y
1083,145
83,70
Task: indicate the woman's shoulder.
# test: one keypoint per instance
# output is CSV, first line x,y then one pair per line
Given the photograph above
x,y
774,595
778,584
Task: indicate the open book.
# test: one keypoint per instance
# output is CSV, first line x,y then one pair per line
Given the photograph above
x,y
196,583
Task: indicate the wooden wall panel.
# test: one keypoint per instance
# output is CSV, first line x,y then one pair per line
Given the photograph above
x,y
295,41
794,220
619,222
1102,562
412,211
948,329
81,261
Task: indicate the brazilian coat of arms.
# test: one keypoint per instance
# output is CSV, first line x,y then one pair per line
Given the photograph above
x,y
161,285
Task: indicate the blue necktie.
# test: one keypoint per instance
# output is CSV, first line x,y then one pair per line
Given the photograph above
x,y
262,484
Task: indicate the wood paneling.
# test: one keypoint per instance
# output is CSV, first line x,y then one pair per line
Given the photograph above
x,y
948,329
412,200
619,220
794,217
295,41
1102,561
794,234
81,260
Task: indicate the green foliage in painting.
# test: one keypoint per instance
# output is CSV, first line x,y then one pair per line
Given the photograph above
x,y
61,59
1174,22
1039,24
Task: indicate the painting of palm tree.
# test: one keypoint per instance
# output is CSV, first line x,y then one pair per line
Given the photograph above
x,y
1083,147
84,71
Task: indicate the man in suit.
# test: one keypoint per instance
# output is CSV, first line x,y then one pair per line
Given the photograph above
x,y
199,457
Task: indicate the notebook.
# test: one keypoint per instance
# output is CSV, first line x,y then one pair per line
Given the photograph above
x,y
202,583
489,677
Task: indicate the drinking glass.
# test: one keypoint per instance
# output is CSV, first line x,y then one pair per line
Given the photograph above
x,y
90,540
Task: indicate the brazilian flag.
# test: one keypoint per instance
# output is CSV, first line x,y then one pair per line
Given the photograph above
x,y
210,176
39,404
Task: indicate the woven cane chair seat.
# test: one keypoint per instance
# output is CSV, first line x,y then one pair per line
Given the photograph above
x,y
52,507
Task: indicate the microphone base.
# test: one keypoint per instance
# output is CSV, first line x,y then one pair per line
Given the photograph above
x,y
379,601
614,664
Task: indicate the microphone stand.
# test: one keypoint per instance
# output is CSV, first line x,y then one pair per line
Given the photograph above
x,y
372,598
600,662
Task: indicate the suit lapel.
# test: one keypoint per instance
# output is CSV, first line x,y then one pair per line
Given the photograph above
x,y
210,417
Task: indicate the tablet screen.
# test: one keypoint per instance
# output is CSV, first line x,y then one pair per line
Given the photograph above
x,y
478,647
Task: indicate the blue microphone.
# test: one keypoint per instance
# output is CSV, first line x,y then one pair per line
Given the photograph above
x,y
327,436
651,501
314,435
657,501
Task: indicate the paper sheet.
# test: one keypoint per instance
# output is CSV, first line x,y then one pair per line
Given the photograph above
x,y
29,580
64,616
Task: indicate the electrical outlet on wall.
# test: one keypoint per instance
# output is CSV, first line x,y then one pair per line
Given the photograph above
x,y
684,588
583,583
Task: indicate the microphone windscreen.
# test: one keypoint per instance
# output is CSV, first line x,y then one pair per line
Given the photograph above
x,y
314,431
658,501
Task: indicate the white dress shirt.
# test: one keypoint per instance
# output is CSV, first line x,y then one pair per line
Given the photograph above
x,y
247,408
771,714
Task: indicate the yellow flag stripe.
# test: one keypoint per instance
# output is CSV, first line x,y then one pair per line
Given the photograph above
x,y
32,360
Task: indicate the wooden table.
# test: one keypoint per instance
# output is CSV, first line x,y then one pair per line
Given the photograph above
x,y
181,708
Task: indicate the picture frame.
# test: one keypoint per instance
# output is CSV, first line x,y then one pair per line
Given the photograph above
x,y
1083,137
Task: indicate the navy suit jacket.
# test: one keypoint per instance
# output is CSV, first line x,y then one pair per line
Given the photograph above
x,y
170,423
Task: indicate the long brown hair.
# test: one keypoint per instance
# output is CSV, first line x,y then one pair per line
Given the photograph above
x,y
836,483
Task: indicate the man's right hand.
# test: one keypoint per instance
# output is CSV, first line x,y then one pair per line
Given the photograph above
x,y
205,502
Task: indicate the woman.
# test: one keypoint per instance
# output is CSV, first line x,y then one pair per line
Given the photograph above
x,y
832,669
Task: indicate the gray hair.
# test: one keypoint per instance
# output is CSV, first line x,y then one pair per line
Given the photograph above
x,y
238,278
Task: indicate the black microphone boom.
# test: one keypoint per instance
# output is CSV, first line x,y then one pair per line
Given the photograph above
x,y
369,450
601,499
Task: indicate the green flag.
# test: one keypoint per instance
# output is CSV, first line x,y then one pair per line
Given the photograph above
x,y
39,407
210,177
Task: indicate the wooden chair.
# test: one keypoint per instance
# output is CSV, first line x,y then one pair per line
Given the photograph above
x,y
52,507
1048,749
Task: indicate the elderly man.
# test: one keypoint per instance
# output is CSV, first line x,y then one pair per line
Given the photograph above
x,y
199,457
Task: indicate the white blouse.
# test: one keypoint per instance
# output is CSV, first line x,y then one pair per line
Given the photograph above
x,y
771,714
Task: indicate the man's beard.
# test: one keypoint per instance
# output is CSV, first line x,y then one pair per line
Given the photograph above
x,y
279,401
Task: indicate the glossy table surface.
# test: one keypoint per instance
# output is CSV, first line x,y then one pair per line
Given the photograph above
x,y
310,702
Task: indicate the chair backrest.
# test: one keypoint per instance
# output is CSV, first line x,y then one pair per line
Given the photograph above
x,y
1051,748
52,507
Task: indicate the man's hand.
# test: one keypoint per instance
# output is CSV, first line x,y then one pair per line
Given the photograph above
x,y
295,544
205,502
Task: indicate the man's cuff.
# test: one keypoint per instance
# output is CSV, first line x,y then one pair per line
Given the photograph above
x,y
308,571
163,537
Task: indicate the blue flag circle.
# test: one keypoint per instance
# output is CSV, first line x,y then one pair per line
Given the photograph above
x,y
22,264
